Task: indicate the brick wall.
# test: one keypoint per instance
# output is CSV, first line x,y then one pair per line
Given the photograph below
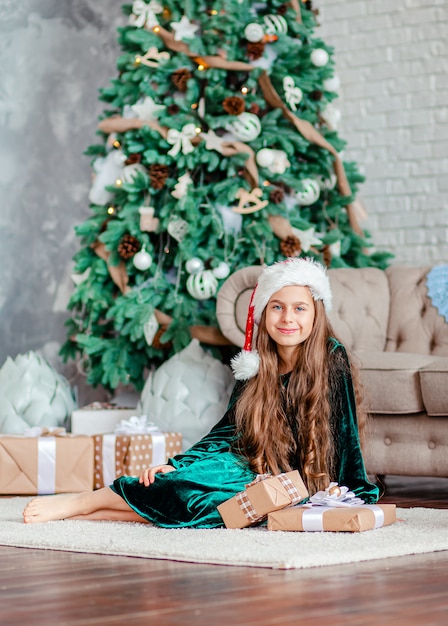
x,y
392,60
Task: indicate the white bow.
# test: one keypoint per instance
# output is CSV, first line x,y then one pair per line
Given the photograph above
x,y
146,13
181,139
293,94
136,425
335,496
39,431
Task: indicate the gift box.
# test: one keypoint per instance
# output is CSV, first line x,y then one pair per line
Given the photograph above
x,y
45,464
128,454
98,418
268,493
327,518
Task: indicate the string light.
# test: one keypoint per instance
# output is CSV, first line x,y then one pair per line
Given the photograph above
x,y
244,90
201,67
111,210
138,60
118,182
116,144
194,105
198,130
266,183
156,29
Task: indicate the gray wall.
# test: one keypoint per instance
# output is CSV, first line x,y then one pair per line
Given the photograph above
x,y
56,54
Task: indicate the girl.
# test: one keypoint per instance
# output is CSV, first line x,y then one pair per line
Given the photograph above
x,y
295,406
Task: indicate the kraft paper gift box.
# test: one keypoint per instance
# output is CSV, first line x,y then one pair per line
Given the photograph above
x,y
119,455
45,464
260,498
98,418
327,518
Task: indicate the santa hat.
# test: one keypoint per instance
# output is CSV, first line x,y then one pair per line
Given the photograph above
x,y
301,272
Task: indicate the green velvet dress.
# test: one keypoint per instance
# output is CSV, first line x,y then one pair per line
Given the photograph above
x,y
210,472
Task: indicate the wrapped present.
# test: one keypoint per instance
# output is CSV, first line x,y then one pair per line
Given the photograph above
x,y
45,461
134,446
267,493
333,518
99,417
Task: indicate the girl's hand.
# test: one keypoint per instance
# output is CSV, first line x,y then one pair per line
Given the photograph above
x,y
147,477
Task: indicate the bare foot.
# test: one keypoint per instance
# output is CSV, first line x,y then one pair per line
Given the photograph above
x,y
48,508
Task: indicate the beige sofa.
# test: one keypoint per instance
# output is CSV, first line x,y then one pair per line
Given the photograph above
x,y
388,321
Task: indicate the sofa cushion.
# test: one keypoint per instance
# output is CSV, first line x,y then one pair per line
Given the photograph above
x,y
434,384
392,381
360,307
415,325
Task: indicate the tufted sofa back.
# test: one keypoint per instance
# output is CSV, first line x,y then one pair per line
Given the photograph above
x,y
361,304
415,325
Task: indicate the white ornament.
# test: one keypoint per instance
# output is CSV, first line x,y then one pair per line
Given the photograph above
x,y
232,221
130,171
293,94
254,32
212,141
327,182
335,248
181,139
275,161
307,238
184,29
153,58
181,187
332,84
178,228
310,192
275,24
107,170
202,285
246,126
222,271
319,57
194,265
148,222
142,260
144,15
150,329
147,109
331,116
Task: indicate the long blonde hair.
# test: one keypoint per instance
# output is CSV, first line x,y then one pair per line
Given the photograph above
x,y
281,425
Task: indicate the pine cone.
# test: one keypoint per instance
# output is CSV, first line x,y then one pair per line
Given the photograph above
x,y
158,175
173,109
133,158
290,246
276,196
316,95
128,247
180,79
255,50
234,105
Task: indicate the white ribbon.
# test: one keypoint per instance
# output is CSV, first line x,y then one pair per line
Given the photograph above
x,y
181,140
313,517
158,449
108,464
136,425
293,94
46,465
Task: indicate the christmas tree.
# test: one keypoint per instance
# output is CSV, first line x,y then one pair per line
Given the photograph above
x,y
219,149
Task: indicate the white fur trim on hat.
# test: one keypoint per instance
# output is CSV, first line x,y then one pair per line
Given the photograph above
x,y
300,272
245,364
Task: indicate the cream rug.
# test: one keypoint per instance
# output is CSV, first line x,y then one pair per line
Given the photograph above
x,y
421,530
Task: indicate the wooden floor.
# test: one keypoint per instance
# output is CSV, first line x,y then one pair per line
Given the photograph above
x,y
47,588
